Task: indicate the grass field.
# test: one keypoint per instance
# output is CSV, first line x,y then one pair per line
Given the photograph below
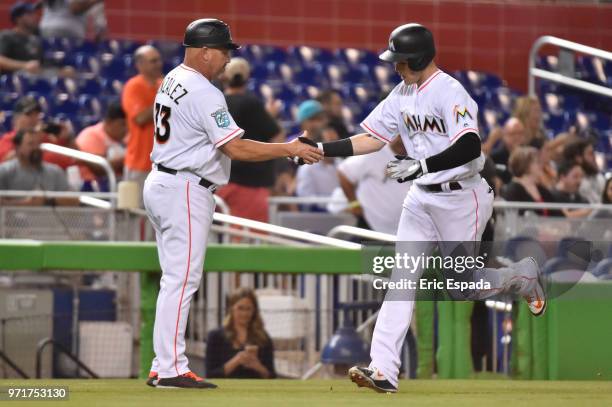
x,y
314,393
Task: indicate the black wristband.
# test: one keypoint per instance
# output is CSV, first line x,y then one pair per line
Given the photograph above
x,y
339,148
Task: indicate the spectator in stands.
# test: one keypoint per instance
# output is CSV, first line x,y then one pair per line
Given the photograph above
x,y
28,172
249,186
513,135
318,179
332,105
21,48
581,151
375,199
137,101
106,140
549,176
68,18
528,110
566,190
27,114
606,198
241,348
526,168
311,117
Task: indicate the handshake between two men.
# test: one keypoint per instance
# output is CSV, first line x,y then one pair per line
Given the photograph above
x,y
402,169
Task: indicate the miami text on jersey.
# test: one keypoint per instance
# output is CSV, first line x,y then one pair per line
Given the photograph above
x,y
424,123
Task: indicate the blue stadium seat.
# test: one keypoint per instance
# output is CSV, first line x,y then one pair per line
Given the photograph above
x,y
90,86
65,105
8,100
82,62
64,85
556,124
560,264
36,84
90,105
603,269
6,117
520,247
58,44
571,243
8,83
120,68
311,75
355,74
111,87
86,47
171,63
168,49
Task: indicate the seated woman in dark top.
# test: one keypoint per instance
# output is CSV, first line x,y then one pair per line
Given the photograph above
x,y
526,168
241,348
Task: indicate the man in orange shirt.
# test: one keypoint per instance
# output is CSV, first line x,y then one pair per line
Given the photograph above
x,y
103,139
137,101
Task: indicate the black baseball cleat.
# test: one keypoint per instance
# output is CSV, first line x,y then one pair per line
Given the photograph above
x,y
152,379
371,378
188,380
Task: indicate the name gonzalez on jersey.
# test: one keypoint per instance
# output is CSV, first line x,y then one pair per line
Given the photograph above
x,y
175,91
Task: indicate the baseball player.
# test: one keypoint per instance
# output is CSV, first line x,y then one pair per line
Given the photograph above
x,y
448,201
194,139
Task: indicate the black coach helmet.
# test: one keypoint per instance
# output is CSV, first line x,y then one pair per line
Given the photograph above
x,y
412,43
208,32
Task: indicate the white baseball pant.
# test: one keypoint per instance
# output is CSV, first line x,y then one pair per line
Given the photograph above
x,y
181,212
456,216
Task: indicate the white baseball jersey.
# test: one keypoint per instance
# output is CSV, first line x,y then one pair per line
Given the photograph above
x,y
429,119
380,197
191,123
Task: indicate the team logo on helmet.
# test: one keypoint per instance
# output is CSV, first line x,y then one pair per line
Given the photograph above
x,y
222,118
391,46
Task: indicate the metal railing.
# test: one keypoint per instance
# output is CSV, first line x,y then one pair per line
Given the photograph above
x,y
534,72
87,157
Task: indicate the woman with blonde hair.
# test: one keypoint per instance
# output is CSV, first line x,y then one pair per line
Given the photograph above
x,y
241,348
529,111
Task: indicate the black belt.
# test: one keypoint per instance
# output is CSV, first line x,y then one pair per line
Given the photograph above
x,y
453,185
203,181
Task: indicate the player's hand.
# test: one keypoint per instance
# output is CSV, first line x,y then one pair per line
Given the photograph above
x,y
305,151
404,169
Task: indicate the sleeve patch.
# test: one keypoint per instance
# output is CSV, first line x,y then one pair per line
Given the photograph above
x,y
462,114
222,118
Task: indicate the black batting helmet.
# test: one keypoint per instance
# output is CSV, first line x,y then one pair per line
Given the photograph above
x,y
208,32
411,43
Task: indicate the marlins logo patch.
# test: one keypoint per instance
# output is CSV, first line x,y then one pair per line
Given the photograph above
x,y
463,113
222,118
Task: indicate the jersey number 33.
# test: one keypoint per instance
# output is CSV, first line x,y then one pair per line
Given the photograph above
x,y
162,126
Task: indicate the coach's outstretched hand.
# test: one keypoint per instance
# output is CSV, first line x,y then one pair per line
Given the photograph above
x,y
404,169
305,151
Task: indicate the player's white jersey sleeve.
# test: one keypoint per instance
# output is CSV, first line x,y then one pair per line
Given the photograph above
x,y
217,120
383,121
460,113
